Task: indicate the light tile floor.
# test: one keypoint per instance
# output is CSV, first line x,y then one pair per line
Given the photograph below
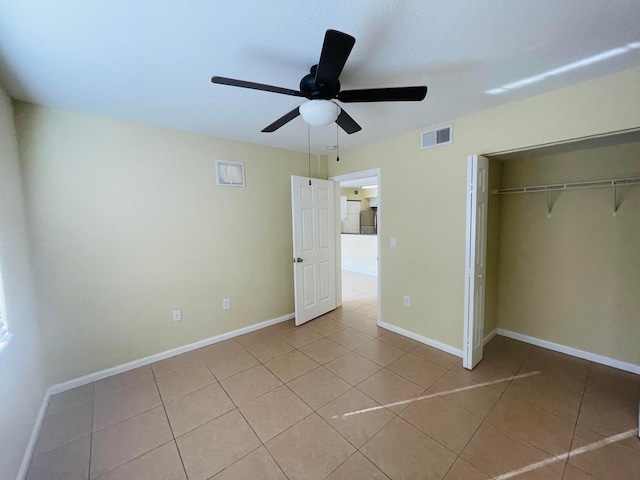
x,y
341,398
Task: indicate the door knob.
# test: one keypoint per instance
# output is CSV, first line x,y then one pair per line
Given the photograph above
x,y
299,260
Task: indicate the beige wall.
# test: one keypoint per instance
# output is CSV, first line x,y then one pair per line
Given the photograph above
x,y
349,193
22,385
574,278
128,225
428,263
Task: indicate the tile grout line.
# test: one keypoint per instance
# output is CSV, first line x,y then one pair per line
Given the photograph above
x,y
398,415
93,408
534,406
237,407
458,455
484,420
133,459
311,408
285,384
172,372
263,444
502,394
575,425
175,442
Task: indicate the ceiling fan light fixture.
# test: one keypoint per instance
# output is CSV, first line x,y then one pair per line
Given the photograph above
x,y
319,113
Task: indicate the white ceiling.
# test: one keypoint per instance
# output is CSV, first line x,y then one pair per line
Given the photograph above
x,y
151,61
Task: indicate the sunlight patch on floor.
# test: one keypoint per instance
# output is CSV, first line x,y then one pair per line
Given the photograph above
x,y
440,394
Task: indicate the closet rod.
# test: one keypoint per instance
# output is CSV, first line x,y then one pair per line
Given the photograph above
x,y
616,182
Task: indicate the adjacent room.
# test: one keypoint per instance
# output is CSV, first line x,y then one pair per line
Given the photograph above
x,y
359,242
293,240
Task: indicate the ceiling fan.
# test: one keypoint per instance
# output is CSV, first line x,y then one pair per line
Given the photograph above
x,y
321,86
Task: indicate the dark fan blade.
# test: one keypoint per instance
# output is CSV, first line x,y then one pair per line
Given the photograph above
x,y
335,51
347,123
256,86
282,120
397,94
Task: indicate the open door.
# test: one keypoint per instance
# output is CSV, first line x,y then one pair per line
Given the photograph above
x,y
314,247
476,252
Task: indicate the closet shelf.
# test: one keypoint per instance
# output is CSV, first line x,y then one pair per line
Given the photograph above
x,y
554,187
616,182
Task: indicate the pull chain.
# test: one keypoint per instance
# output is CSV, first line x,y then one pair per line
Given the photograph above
x,y
309,143
337,145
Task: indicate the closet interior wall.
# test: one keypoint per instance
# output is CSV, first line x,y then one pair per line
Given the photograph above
x,y
573,278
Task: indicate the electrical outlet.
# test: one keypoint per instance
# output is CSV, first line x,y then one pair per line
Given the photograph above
x,y
177,315
407,301
226,303
393,242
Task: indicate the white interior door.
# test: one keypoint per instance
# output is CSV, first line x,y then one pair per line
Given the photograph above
x,y
476,253
314,247
352,222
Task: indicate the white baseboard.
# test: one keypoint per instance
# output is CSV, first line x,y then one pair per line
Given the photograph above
x,y
427,341
489,336
92,377
593,357
26,460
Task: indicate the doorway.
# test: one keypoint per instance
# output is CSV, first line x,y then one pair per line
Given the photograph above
x,y
357,262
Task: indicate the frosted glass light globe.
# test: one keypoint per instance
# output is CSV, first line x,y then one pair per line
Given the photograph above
x,y
319,113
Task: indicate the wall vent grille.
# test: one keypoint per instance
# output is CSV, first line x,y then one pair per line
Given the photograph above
x,y
230,174
436,137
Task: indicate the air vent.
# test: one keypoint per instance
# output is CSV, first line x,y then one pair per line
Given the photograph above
x,y
229,174
436,137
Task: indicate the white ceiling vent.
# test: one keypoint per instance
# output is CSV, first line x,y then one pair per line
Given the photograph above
x,y
436,137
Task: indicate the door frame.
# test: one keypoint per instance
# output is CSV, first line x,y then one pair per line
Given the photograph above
x,y
355,176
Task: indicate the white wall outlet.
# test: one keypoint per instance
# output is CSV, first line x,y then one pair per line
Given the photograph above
x,y
226,303
177,315
407,301
393,242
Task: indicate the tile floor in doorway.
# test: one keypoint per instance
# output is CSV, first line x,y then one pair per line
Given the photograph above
x,y
360,294
341,398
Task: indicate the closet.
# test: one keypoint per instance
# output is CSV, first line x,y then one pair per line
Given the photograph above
x,y
563,246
